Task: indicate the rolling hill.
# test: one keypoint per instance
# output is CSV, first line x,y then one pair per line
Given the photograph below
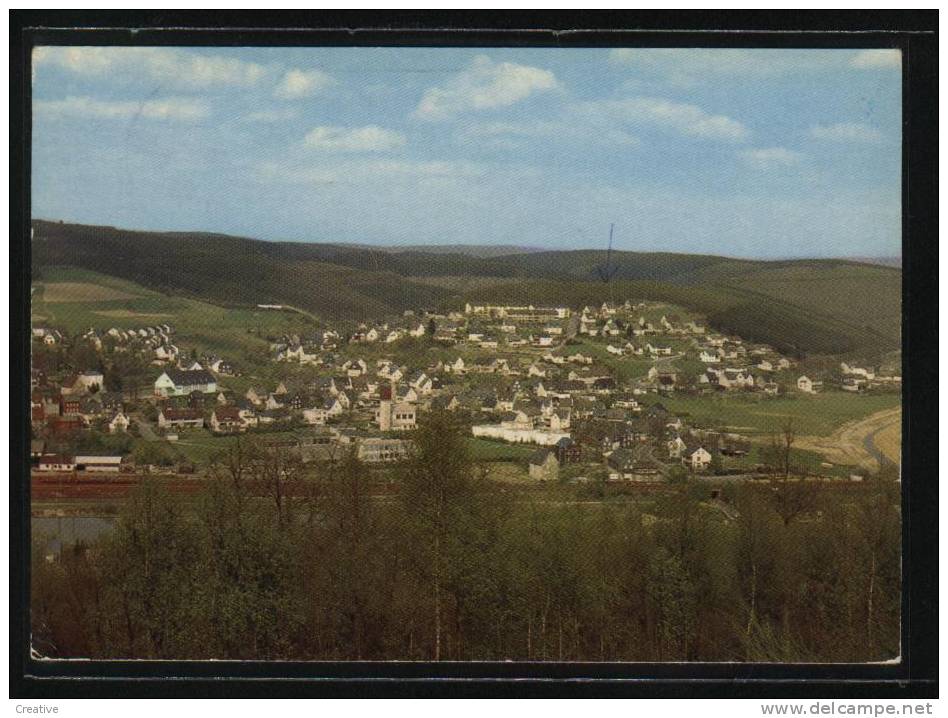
x,y
834,306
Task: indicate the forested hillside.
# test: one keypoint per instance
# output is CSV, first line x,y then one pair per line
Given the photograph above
x,y
800,306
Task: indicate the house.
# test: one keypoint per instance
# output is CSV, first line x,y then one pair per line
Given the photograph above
x,y
697,458
445,403
222,366
181,382
334,406
631,463
853,384
180,418
857,371
420,382
676,447
807,385
568,451
166,353
119,423
315,416
737,378
544,465
709,357
227,420
395,416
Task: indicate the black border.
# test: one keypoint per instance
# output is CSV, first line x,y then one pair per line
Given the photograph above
x,y
915,32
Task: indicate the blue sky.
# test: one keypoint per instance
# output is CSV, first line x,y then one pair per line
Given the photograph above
x,y
758,153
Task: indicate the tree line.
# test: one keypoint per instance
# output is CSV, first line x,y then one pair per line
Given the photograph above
x,y
271,562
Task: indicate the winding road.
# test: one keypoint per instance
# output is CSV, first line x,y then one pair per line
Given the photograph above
x,y
855,442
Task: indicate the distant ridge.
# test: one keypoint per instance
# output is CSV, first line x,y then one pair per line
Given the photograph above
x,y
484,251
802,306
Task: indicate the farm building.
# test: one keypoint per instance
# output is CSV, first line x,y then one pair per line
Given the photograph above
x,y
56,462
104,464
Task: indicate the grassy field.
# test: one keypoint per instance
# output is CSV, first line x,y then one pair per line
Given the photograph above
x,y
200,447
78,299
487,450
819,414
889,442
812,461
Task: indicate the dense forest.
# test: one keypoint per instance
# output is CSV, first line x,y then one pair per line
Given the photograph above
x,y
274,562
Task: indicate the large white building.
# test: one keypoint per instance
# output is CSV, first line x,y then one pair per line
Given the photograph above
x,y
543,437
181,382
528,314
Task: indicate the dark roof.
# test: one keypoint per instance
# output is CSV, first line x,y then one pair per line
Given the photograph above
x,y
182,414
187,377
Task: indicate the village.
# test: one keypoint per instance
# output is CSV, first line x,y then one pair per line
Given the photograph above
x,y
555,393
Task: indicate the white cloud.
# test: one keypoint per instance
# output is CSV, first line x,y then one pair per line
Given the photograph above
x,y
485,84
355,139
169,66
679,117
766,157
877,59
846,132
301,83
169,108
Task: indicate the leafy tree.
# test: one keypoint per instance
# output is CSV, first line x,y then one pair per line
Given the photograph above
x,y
446,518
